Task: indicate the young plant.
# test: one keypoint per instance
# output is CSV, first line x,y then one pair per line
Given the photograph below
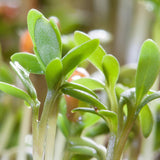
x,y
48,61
125,105
135,99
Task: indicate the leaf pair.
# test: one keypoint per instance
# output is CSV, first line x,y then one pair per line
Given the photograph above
x,y
82,93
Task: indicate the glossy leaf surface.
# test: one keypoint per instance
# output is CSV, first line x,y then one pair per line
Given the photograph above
x,y
24,77
148,68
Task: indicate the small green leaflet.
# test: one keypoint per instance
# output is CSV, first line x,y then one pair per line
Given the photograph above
x,y
84,150
54,73
45,36
111,70
109,116
148,68
78,54
146,121
84,96
78,86
28,61
24,77
14,91
90,83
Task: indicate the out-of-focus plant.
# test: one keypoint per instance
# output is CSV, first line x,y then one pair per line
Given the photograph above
x,y
10,112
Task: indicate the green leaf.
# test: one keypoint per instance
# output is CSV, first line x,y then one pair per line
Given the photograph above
x,y
111,70
24,77
6,75
80,87
28,61
97,56
127,75
146,120
146,100
45,36
90,119
157,128
90,83
84,96
97,129
33,16
148,68
119,90
78,54
83,141
109,116
14,91
84,150
54,73
63,125
111,119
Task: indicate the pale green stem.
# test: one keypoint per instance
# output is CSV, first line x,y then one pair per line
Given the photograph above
x,y
121,140
111,146
37,153
112,98
51,133
43,125
24,130
7,129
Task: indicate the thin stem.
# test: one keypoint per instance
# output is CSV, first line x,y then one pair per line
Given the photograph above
x,y
123,137
51,132
112,98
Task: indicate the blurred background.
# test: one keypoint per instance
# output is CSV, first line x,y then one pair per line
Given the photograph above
x,y
128,22
123,24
